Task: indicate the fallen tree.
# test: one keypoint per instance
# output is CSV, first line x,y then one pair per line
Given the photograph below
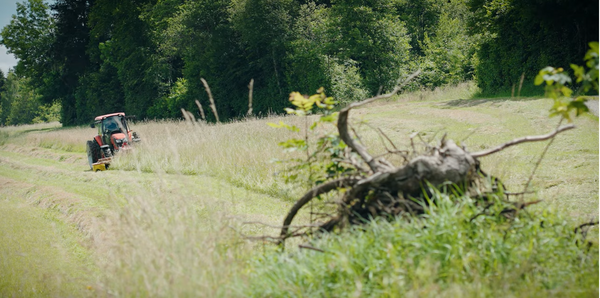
x,y
378,188
362,186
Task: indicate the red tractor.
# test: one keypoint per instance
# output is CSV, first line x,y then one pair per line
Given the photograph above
x,y
113,136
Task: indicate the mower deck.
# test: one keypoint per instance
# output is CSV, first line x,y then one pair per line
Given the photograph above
x,y
101,165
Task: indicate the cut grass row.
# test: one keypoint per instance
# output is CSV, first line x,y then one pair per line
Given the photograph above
x,y
239,153
121,219
41,254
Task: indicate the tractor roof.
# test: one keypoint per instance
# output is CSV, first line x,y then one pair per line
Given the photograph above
x,y
100,118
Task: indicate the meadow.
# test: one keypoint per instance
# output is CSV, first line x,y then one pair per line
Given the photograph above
x,y
169,219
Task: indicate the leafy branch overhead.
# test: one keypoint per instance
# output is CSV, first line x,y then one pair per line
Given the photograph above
x,y
557,81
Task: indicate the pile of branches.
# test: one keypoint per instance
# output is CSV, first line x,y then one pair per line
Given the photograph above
x,y
378,188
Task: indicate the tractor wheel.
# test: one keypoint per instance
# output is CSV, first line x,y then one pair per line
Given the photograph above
x,y
93,153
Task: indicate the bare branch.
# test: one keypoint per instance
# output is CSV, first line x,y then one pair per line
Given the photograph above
x,y
392,152
357,136
388,139
539,161
267,238
314,192
522,140
343,125
425,144
581,226
312,248
468,136
508,193
412,143
279,227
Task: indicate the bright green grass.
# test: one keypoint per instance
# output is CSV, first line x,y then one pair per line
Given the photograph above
x,y
442,254
76,188
40,254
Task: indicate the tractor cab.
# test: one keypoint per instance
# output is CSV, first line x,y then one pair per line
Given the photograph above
x,y
113,136
113,131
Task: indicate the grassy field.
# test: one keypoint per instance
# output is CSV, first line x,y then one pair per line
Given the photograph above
x,y
167,218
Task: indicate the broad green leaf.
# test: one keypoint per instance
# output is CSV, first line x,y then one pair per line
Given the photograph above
x,y
330,101
579,72
297,99
291,127
315,98
593,46
539,79
579,107
593,50
566,91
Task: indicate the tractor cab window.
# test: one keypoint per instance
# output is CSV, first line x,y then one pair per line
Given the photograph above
x,y
110,125
124,124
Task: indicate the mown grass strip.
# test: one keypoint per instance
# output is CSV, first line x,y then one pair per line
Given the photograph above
x,y
40,254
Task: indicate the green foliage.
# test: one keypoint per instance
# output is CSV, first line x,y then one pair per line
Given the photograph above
x,y
304,105
100,92
421,18
170,105
29,36
48,113
101,56
521,36
3,105
346,82
557,80
19,104
589,79
323,151
308,66
124,41
370,33
214,53
51,50
449,51
444,253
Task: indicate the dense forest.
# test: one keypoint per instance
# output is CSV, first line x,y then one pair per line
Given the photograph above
x,y
81,58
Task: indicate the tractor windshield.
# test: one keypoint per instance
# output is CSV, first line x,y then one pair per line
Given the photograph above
x,y
111,125
115,124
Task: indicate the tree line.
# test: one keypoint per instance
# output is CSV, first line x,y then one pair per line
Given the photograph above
x,y
146,57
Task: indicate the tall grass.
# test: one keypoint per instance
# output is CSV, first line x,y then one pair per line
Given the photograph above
x,y
442,254
239,153
163,244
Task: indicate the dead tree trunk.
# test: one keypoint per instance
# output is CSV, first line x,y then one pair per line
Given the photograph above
x,y
386,190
